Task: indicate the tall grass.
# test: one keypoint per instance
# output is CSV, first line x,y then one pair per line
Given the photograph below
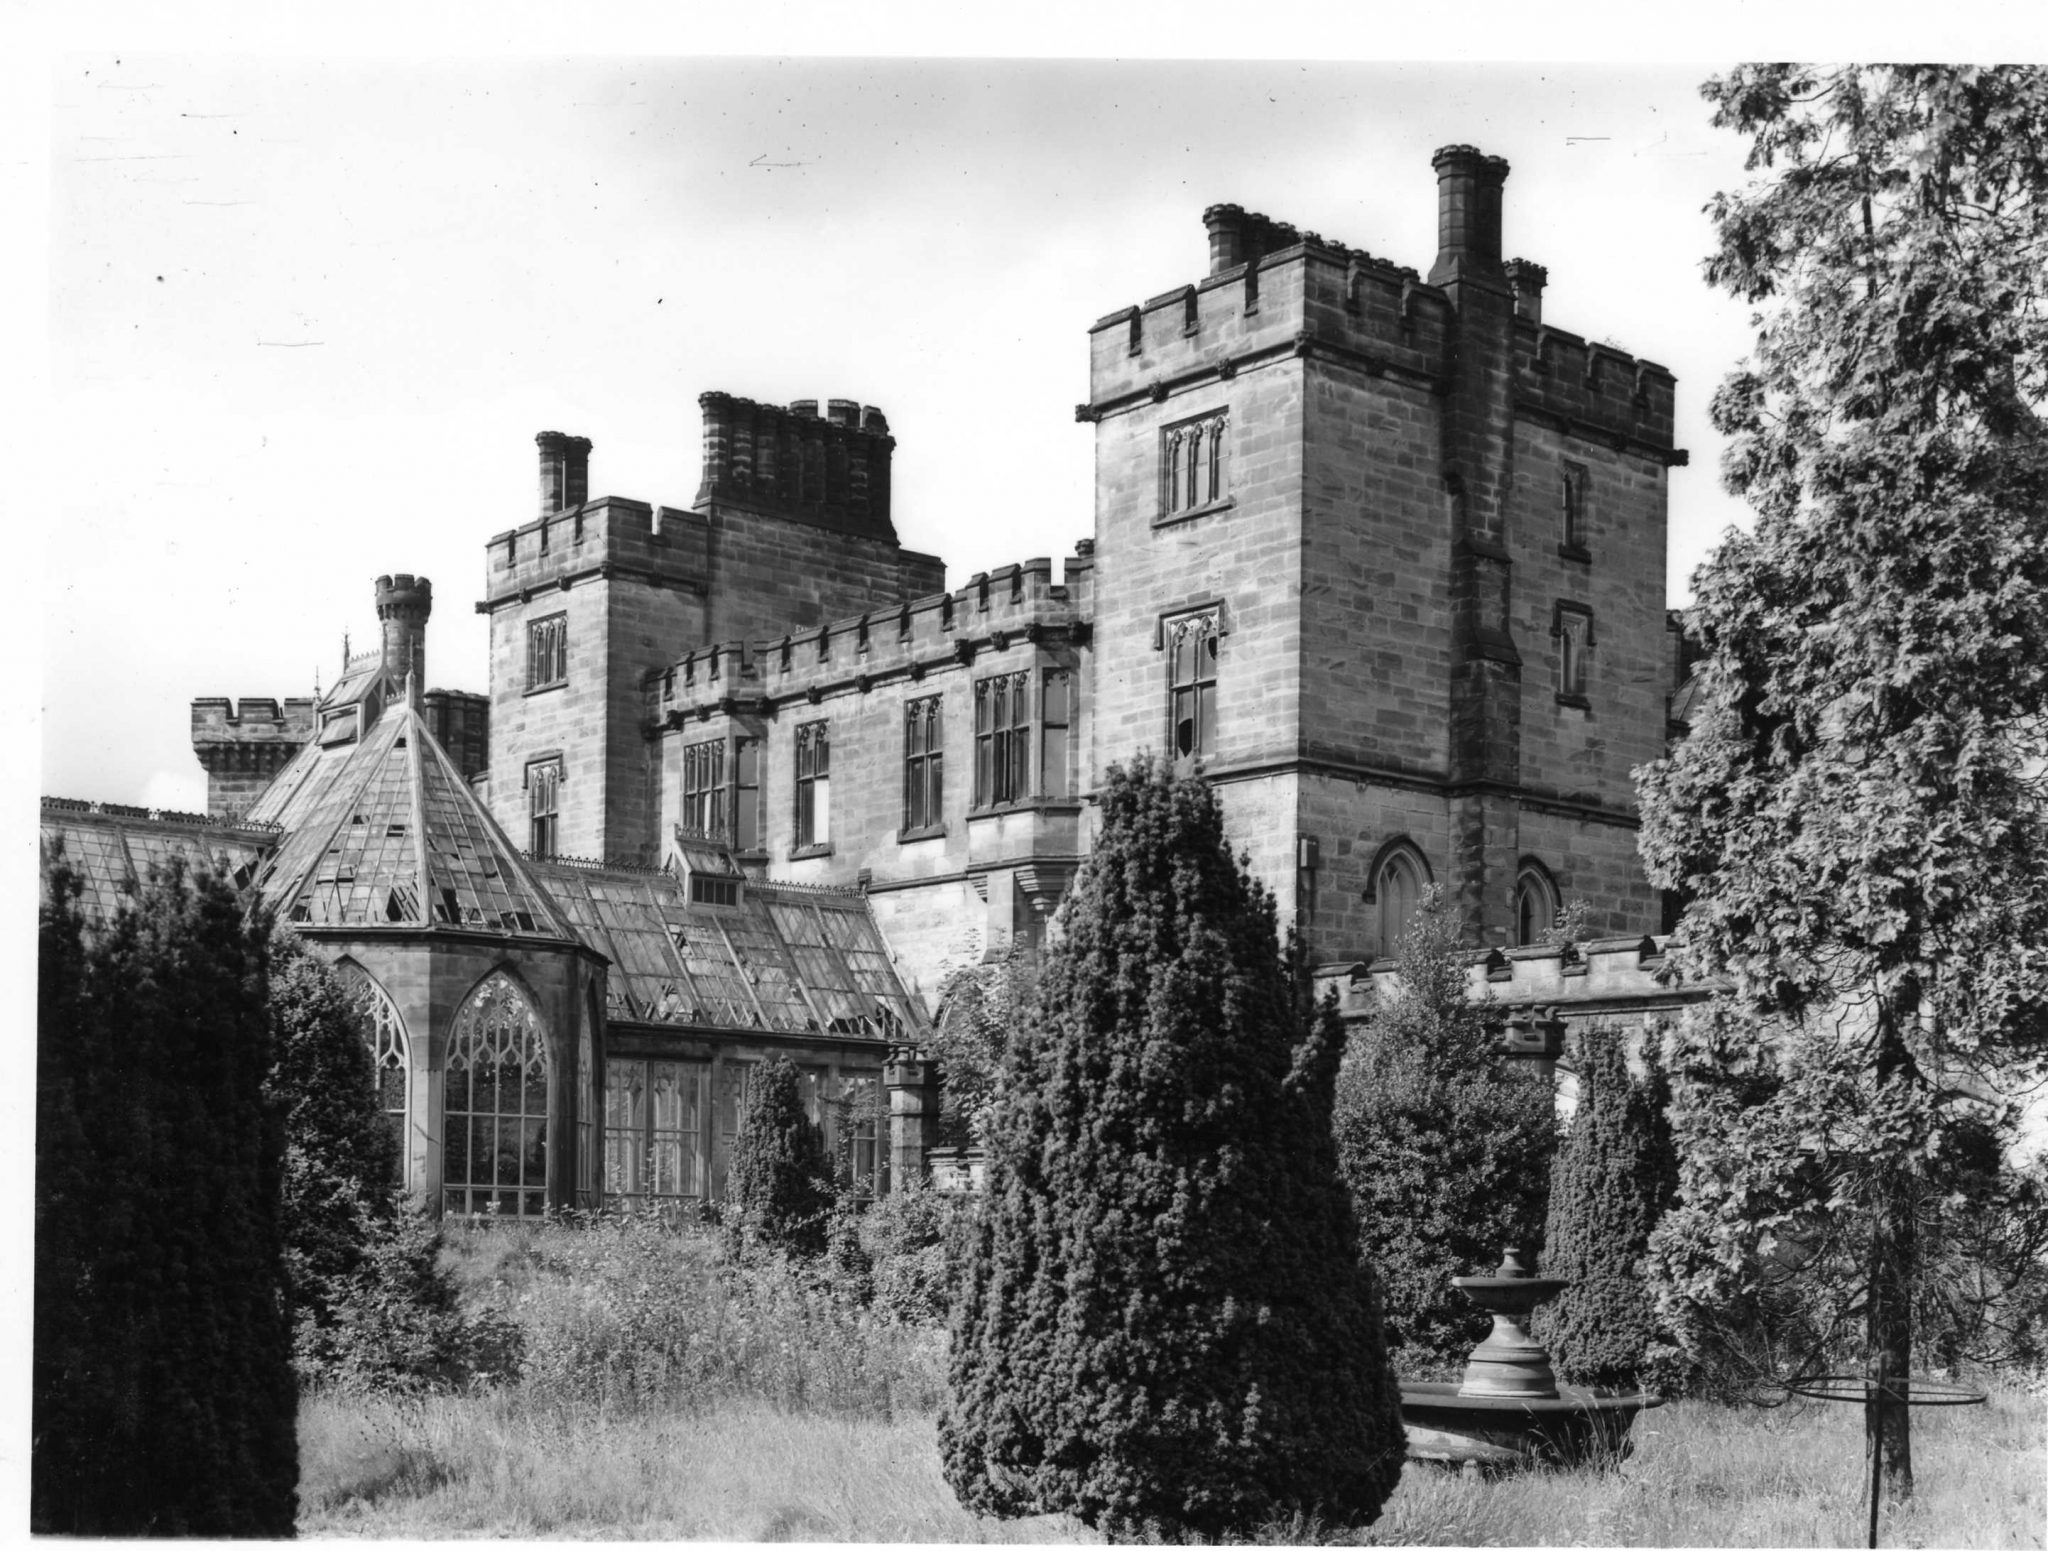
x,y
669,1394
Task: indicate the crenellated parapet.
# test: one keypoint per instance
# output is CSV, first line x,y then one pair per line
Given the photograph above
x,y
1275,293
830,469
1594,391
612,537
994,611
243,744
1620,980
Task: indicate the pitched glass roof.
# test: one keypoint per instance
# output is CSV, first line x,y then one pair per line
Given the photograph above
x,y
386,832
785,957
112,847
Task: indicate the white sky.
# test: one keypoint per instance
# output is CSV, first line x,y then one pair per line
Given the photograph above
x,y
306,317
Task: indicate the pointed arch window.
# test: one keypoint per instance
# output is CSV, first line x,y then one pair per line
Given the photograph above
x,y
1536,904
390,1051
1191,648
1398,883
495,1113
1192,476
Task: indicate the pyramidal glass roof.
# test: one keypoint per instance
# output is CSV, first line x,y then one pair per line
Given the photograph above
x,y
385,832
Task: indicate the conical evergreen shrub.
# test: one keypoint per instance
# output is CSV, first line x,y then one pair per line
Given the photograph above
x,y
1164,1327
163,1396
779,1188
1614,1176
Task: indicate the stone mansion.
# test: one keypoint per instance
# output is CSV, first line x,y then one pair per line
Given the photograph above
x,y
1384,551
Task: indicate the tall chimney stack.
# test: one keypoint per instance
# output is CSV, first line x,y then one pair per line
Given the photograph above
x,y
403,604
564,471
1468,187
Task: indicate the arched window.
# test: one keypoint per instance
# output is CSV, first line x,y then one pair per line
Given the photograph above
x,y
1397,887
495,1153
391,1052
1536,904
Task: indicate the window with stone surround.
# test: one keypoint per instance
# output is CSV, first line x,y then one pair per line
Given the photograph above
x,y
1571,513
1055,716
654,1129
1571,625
923,764
704,788
814,784
495,1106
1191,648
1399,877
1536,904
1193,457
547,652
1002,739
543,807
746,794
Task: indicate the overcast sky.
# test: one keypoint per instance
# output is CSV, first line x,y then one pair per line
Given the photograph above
x,y
306,317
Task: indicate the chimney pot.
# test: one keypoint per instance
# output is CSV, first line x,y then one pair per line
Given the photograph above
x,y
564,471
1528,279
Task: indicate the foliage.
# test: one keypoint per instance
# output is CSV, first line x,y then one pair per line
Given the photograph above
x,y
1445,1145
914,1240
1612,1179
633,1313
341,1161
397,1325
163,1395
1164,1326
1857,814
780,1186
979,1006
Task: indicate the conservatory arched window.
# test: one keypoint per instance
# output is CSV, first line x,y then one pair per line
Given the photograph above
x,y
390,1051
494,1151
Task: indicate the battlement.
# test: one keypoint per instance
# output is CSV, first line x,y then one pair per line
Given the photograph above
x,y
832,470
597,539
993,610
254,719
1592,389
1624,979
1275,293
1312,296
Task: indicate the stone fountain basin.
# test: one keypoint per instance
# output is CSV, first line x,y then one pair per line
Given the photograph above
x,y
1496,1430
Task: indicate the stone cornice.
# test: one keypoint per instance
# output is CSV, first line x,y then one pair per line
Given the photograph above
x,y
607,571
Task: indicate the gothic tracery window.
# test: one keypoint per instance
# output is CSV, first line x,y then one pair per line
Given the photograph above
x,y
1191,678
390,1051
495,1110
1397,888
923,764
1192,473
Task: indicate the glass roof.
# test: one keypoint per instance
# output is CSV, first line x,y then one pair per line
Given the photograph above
x,y
112,848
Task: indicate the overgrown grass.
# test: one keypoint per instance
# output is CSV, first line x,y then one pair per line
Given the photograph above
x,y
670,1395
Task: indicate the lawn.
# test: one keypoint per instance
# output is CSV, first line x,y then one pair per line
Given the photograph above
x,y
667,1395
1701,1475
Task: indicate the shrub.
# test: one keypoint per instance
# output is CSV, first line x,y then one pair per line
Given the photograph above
x,y
912,1240
163,1396
780,1188
341,1161
1445,1146
1163,1325
397,1325
1612,1180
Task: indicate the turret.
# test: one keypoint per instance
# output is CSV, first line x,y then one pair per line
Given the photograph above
x,y
403,604
1468,198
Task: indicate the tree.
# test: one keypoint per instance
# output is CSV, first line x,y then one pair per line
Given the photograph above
x,y
1857,814
979,1006
1445,1146
1163,1326
1612,1180
780,1188
341,1161
163,1396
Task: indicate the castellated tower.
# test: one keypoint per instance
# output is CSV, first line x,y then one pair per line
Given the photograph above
x,y
790,527
1387,553
403,606
243,744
